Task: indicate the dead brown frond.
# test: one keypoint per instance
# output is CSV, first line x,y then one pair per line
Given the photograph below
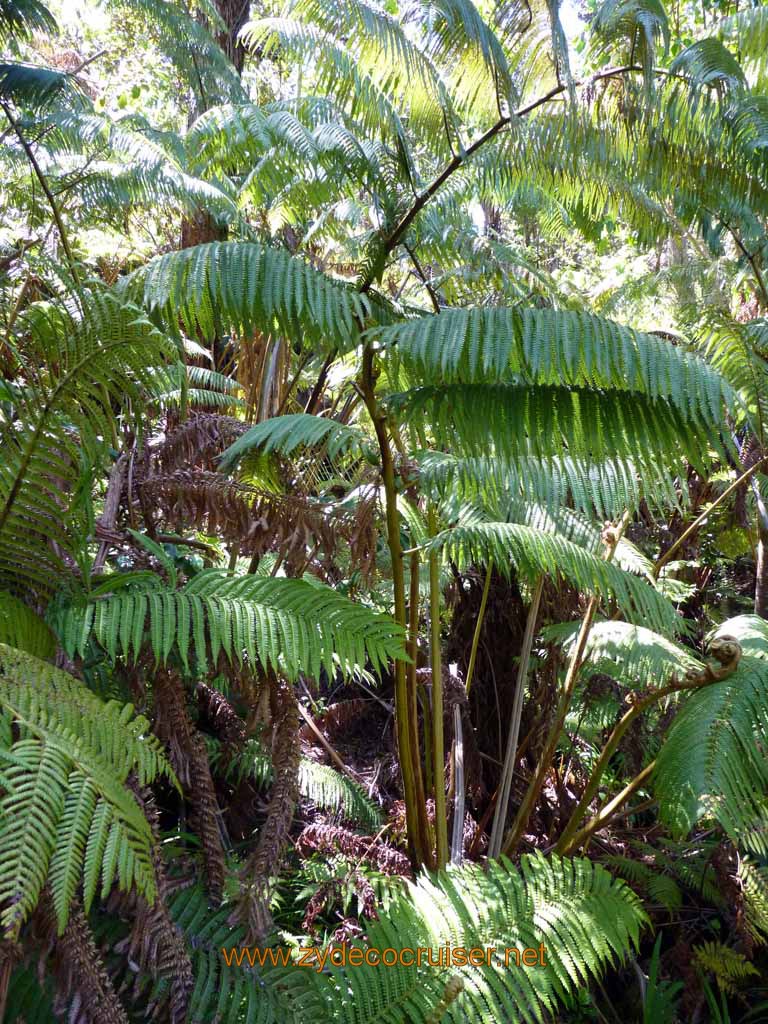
x,y
321,838
189,758
264,862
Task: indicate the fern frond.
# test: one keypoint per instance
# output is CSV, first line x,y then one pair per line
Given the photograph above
x,y
710,765
285,434
555,347
82,360
628,651
551,422
582,917
290,625
67,815
602,489
319,783
21,627
244,286
20,18
708,62
754,884
533,552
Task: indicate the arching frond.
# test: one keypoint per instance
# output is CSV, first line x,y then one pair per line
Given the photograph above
x,y
631,653
20,18
245,286
602,489
289,625
552,422
533,552
547,902
708,62
287,433
79,362
555,347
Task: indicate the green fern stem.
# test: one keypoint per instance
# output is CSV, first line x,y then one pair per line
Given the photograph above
x,y
510,758
601,819
413,703
700,520
566,843
438,739
479,624
46,189
537,782
415,814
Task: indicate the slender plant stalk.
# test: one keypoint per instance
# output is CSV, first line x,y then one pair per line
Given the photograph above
x,y
603,760
603,816
700,520
639,706
413,706
46,189
457,834
415,814
479,625
537,782
510,759
438,738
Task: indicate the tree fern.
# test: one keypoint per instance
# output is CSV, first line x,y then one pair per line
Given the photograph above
x,y
67,817
290,625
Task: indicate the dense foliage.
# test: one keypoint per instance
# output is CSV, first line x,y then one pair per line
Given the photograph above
x,y
383,528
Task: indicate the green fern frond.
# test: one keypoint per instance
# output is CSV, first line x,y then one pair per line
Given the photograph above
x,y
66,814
710,765
552,422
555,347
321,784
20,18
292,626
708,62
630,652
659,888
753,880
601,489
84,359
244,286
29,85
21,627
729,967
233,993
583,919
533,552
285,434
